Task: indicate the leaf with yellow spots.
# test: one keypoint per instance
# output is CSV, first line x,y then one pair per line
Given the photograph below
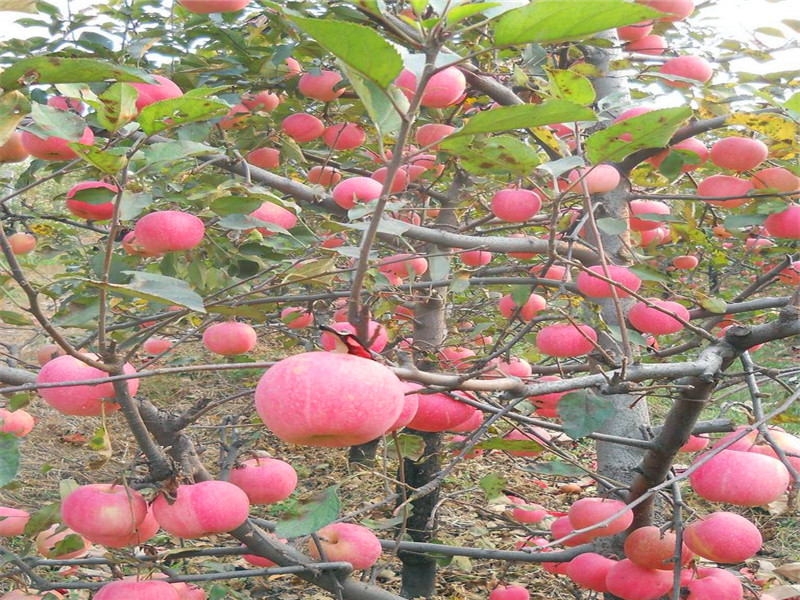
x,y
774,126
42,229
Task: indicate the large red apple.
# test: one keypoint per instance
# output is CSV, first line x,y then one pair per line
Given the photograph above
x,y
629,581
168,231
776,178
695,68
321,86
738,153
102,512
588,512
566,340
344,136
277,215
589,570
80,400
651,320
740,478
515,205
444,89
648,547
230,338
410,406
784,224
13,521
594,287
725,186
302,127
265,158
723,537
102,211
356,189
53,148
163,89
329,399
402,265
137,590
439,412
646,207
265,480
561,527
347,542
205,7
715,584
598,179
19,422
202,508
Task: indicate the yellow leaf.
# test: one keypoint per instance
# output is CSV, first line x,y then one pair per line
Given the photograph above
x,y
28,6
776,127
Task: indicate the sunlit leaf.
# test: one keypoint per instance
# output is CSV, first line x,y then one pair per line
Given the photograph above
x,y
312,516
14,106
164,114
157,288
522,116
59,69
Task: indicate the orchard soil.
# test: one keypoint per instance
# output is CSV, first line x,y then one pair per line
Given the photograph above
x,y
61,448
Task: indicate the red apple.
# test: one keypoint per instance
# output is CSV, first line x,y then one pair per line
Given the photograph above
x,y
457,357
515,367
677,10
433,133
691,145
399,182
344,136
439,412
566,340
723,537
631,33
740,478
205,7
13,150
509,592
649,548
560,528
356,189
651,320
302,127
784,224
297,317
265,480
629,581
649,44
377,341
697,69
476,258
230,338
402,265
515,205
546,403
530,309
163,89
261,101
347,542
587,512
92,211
101,512
47,353
321,87
329,399
723,186
444,89
53,148
47,540
325,176
168,231
80,400
410,406
646,207
738,153
589,570
202,508
686,262
715,584
140,590
13,521
695,443
599,179
19,422
594,287
264,158
776,178
156,345
270,212
524,512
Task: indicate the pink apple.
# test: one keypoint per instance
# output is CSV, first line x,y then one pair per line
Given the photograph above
x,y
476,258
695,443
594,287
457,443
102,512
156,345
631,33
723,537
265,480
651,320
92,211
738,153
324,176
784,224
261,101
689,67
21,243
725,186
515,205
47,353
357,400
138,590
685,262
356,189
260,561
589,571
297,317
677,10
649,548
399,182
471,424
163,89
509,592
740,478
515,367
457,357
344,136
691,145
302,127
46,542
433,133
402,265
347,542
410,406
13,521
587,512
265,158
561,527
649,44
277,215
80,400
321,87
715,584
202,508
19,422
629,581
599,179
444,89
53,148
168,231
776,178
377,341
566,340
525,512
646,207
546,403
439,412
205,7
230,338
530,309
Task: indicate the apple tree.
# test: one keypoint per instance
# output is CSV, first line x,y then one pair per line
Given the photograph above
x,y
565,230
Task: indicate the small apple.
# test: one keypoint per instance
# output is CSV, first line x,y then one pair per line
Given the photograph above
x,y
321,87
230,338
19,422
21,243
297,317
530,309
13,150
738,153
264,158
509,592
13,521
102,211
349,543
47,540
356,189
324,176
53,148
302,127
594,287
270,212
265,480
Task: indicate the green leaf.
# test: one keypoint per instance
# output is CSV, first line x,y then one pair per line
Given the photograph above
x,y
110,160
714,305
178,111
492,485
650,130
133,203
311,516
439,267
116,107
94,196
156,288
511,445
556,467
379,102
502,154
523,116
361,48
173,151
14,106
465,11
49,121
739,221
583,412
230,205
244,222
612,226
793,103
410,446
9,457
569,85
520,294
646,273
564,20
71,543
12,318
58,69
48,515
